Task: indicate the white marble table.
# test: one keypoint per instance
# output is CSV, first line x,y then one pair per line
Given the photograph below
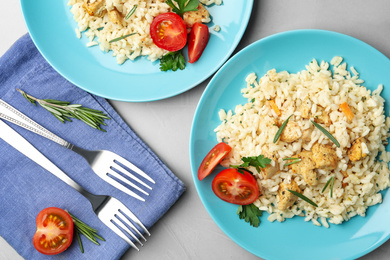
x,y
187,231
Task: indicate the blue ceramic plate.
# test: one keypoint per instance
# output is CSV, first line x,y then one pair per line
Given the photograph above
x,y
294,238
52,29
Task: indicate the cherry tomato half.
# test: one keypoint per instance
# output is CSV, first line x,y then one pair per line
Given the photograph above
x,y
199,36
54,231
235,187
212,159
169,32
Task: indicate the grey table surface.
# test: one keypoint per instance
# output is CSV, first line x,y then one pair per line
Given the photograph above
x,y
187,231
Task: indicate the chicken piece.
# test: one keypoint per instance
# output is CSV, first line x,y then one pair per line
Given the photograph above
x,y
292,132
199,16
115,17
286,198
306,135
324,156
305,109
306,167
356,152
272,168
323,118
95,8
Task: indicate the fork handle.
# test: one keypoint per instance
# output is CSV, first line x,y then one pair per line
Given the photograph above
x,y
14,116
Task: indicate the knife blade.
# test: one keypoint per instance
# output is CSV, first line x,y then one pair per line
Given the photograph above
x,y
18,142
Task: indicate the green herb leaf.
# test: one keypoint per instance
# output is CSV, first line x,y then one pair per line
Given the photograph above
x,y
279,132
122,37
172,61
131,12
303,197
255,161
325,132
291,158
84,229
331,187
63,111
294,161
250,213
182,6
326,185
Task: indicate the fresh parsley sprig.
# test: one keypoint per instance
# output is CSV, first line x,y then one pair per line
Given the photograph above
x,y
182,6
255,161
63,111
172,61
250,213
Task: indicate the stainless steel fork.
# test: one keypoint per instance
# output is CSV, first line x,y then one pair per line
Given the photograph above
x,y
105,164
109,210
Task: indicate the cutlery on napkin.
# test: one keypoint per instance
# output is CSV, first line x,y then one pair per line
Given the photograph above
x,y
26,188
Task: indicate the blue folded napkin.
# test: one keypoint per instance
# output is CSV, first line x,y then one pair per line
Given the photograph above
x,y
26,188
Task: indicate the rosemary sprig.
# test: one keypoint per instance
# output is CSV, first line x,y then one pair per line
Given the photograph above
x,y
303,197
122,37
84,229
291,158
297,160
279,132
325,132
131,12
63,111
331,181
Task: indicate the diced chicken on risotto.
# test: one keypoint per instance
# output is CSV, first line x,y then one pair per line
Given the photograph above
x,y
355,153
324,156
115,17
320,116
291,133
199,16
306,168
272,168
286,198
95,8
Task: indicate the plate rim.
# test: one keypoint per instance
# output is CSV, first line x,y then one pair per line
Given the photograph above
x,y
210,86
248,4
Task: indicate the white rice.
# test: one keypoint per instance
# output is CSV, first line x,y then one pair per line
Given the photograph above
x,y
242,130
102,30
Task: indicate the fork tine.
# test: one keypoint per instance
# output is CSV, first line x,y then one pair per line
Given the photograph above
x,y
120,233
120,177
123,226
134,168
123,188
124,219
127,173
133,218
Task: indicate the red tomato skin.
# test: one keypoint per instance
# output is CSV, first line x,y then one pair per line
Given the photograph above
x,y
198,39
212,159
231,179
43,225
169,32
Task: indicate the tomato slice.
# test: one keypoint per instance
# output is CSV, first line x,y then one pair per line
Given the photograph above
x,y
212,159
199,36
54,231
235,187
169,32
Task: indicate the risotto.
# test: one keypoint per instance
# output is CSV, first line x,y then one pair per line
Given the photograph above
x,y
102,27
321,95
